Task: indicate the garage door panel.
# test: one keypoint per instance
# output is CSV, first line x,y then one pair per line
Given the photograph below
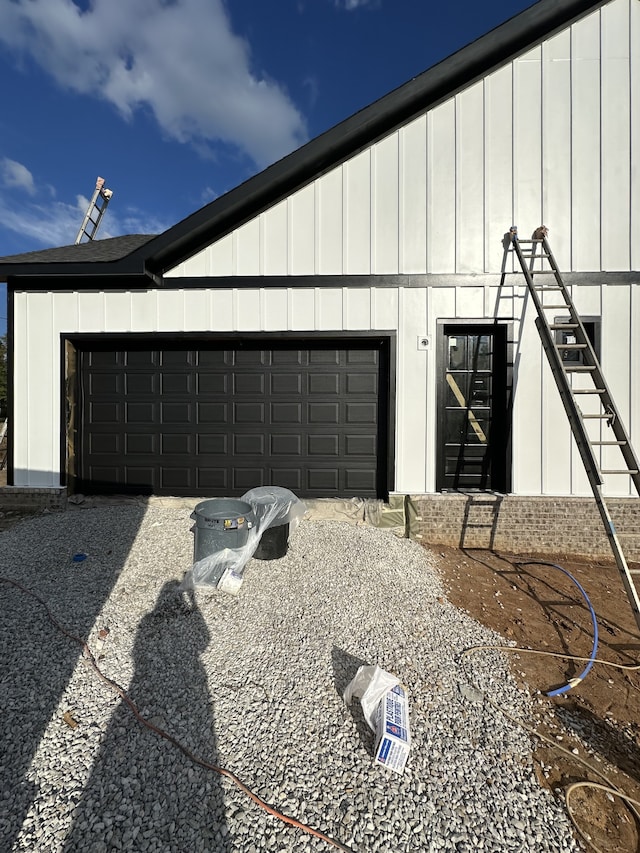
x,y
249,445
212,383
362,383
323,445
250,358
361,413
212,413
285,445
140,443
177,358
108,359
140,477
106,443
105,413
106,383
362,356
139,384
212,481
214,358
176,383
292,357
286,413
248,383
359,479
175,479
141,358
285,383
248,478
324,357
323,413
248,413
324,383
212,443
176,444
176,413
204,420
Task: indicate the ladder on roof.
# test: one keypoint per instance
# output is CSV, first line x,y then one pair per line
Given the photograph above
x,y
95,211
577,372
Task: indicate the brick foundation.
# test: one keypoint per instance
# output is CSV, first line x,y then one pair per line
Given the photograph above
x,y
32,500
540,525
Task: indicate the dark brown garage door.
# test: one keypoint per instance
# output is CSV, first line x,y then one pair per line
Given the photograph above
x,y
205,419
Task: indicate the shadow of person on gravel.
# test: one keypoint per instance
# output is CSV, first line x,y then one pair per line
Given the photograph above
x,y
144,792
345,666
71,560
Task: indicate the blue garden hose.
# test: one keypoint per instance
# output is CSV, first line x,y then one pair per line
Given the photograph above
x,y
573,682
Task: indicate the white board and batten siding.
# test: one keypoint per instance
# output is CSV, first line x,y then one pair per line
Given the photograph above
x,y
547,137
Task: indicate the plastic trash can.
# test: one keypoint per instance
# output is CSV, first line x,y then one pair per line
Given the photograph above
x,y
273,544
220,523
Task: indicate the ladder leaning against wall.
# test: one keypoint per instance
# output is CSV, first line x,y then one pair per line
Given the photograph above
x,y
578,374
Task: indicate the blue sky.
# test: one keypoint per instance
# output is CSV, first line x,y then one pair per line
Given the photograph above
x,y
175,102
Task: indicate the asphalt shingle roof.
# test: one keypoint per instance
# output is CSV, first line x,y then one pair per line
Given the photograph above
x,y
110,249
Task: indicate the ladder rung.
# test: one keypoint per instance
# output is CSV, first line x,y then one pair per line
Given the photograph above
x,y
561,305
571,346
547,287
554,326
603,443
588,390
621,471
577,368
602,417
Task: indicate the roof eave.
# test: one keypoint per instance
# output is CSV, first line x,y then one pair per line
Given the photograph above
x,y
69,270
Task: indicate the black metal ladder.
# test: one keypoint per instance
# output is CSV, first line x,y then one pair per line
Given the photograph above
x,y
553,296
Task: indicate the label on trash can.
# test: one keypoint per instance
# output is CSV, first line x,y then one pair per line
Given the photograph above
x,y
393,737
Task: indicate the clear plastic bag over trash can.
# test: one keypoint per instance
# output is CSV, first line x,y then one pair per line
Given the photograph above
x,y
224,567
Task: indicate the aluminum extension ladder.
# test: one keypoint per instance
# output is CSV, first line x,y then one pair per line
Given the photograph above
x,y
553,295
95,211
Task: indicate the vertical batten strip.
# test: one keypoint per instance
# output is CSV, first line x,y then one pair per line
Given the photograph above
x,y
634,131
616,155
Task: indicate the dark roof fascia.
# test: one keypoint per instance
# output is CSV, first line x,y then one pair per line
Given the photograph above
x,y
75,280
357,132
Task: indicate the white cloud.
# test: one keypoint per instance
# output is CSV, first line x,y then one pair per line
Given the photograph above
x,y
180,59
350,5
57,223
14,174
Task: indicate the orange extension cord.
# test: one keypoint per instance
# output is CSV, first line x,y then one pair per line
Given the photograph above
x,y
222,771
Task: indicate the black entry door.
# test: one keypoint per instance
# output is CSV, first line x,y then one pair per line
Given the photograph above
x,y
472,408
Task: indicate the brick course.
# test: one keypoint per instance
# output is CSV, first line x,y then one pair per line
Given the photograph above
x,y
541,525
30,499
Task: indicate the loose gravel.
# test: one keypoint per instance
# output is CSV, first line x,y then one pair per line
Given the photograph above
x,y
252,683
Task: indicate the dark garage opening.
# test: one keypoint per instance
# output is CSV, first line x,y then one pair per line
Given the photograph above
x,y
216,417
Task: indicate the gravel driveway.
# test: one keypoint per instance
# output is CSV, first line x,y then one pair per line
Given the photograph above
x,y
254,684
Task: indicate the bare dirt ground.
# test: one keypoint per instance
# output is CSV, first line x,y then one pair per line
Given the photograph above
x,y
598,721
